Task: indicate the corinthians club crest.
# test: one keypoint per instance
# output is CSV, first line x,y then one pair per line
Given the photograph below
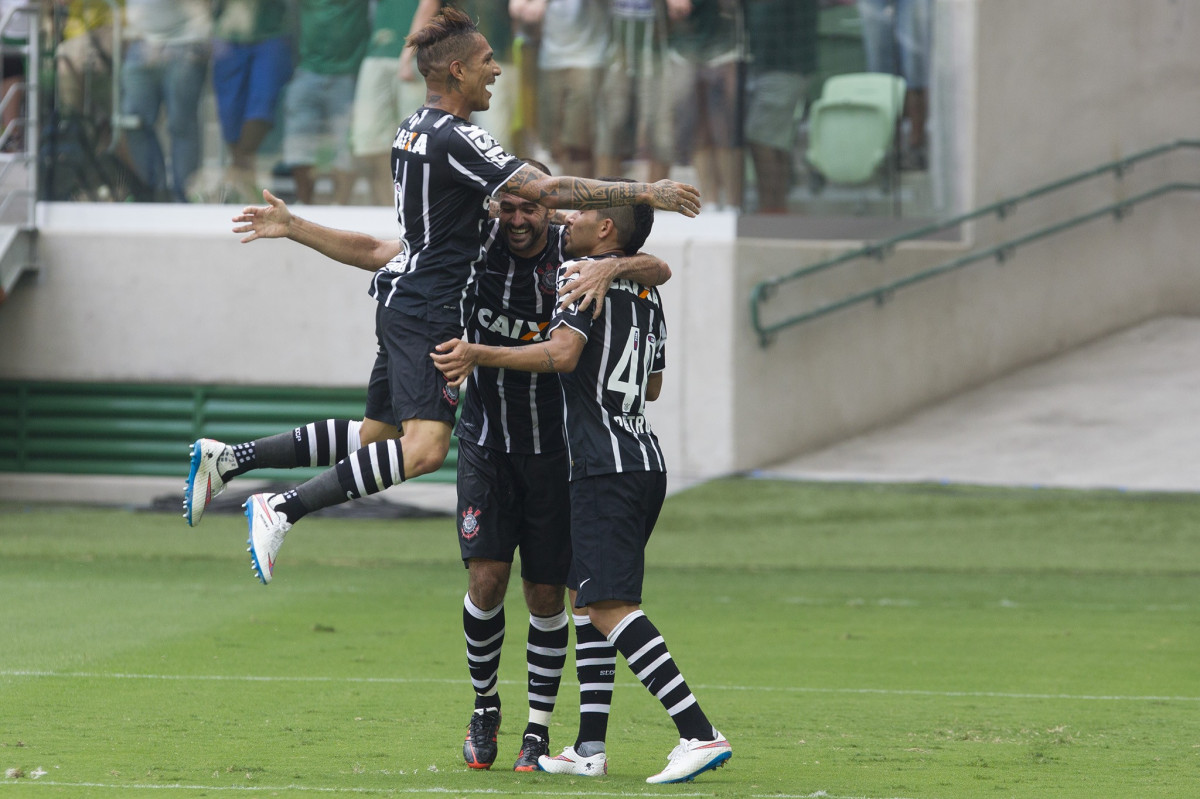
x,y
469,527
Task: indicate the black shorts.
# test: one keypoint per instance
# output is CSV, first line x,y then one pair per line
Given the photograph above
x,y
405,384
508,501
612,516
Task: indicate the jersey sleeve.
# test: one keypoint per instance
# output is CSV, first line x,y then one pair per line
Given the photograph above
x,y
581,322
659,363
477,160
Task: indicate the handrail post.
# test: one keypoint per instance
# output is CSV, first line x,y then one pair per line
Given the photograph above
x,y
1001,252
33,127
30,124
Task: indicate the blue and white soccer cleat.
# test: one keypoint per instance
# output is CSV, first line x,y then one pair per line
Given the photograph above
x,y
204,481
267,529
693,757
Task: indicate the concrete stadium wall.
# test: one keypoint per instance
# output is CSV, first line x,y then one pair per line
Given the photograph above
x,y
169,295
1033,90
1036,90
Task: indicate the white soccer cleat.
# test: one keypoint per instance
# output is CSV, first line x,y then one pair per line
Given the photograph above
x,y
204,481
693,757
571,762
267,529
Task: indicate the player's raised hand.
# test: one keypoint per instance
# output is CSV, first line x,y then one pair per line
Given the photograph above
x,y
270,221
668,195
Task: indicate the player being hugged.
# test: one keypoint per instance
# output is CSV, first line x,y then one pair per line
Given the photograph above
x,y
611,364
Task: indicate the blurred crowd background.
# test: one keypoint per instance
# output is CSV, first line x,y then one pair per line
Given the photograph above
x,y
213,100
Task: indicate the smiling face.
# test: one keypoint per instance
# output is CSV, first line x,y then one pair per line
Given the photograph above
x,y
479,70
523,224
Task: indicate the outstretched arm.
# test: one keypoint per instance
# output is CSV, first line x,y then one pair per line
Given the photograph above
x,y
584,194
275,220
594,278
560,353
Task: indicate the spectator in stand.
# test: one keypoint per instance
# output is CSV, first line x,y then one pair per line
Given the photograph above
x,y
783,53
634,104
168,43
252,63
83,60
896,39
706,60
494,22
388,89
570,68
334,35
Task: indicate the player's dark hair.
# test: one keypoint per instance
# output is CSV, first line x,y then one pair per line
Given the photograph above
x,y
633,222
449,37
538,165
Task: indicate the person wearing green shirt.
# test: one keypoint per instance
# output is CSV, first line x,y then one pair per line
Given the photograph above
x,y
783,54
334,35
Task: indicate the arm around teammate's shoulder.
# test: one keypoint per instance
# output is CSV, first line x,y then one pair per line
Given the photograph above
x,y
653,386
559,353
584,193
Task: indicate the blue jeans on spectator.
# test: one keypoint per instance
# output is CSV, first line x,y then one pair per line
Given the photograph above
x,y
896,38
154,75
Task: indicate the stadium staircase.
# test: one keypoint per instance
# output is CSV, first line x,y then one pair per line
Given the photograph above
x,y
784,302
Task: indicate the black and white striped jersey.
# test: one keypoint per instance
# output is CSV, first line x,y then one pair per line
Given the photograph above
x,y
445,169
605,397
507,409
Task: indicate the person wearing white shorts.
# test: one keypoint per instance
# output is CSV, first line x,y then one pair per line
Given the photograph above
x,y
388,90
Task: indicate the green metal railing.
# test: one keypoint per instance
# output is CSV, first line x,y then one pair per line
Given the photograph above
x,y
762,292
145,429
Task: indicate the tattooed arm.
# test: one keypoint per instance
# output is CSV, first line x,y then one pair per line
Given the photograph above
x,y
584,194
560,353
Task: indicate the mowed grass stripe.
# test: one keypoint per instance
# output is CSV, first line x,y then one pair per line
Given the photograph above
x,y
864,642
620,685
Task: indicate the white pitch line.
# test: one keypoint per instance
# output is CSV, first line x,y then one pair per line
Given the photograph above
x,y
797,689
352,790
403,791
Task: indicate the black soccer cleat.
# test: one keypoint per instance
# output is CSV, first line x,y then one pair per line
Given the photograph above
x,y
479,748
532,747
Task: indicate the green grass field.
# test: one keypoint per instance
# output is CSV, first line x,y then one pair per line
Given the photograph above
x,y
851,641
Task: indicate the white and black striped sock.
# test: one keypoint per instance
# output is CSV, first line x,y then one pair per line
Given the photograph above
x,y
367,470
596,668
370,469
545,656
325,443
484,631
315,444
645,651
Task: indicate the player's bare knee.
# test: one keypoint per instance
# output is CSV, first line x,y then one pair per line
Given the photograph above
x,y
487,582
544,600
423,456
